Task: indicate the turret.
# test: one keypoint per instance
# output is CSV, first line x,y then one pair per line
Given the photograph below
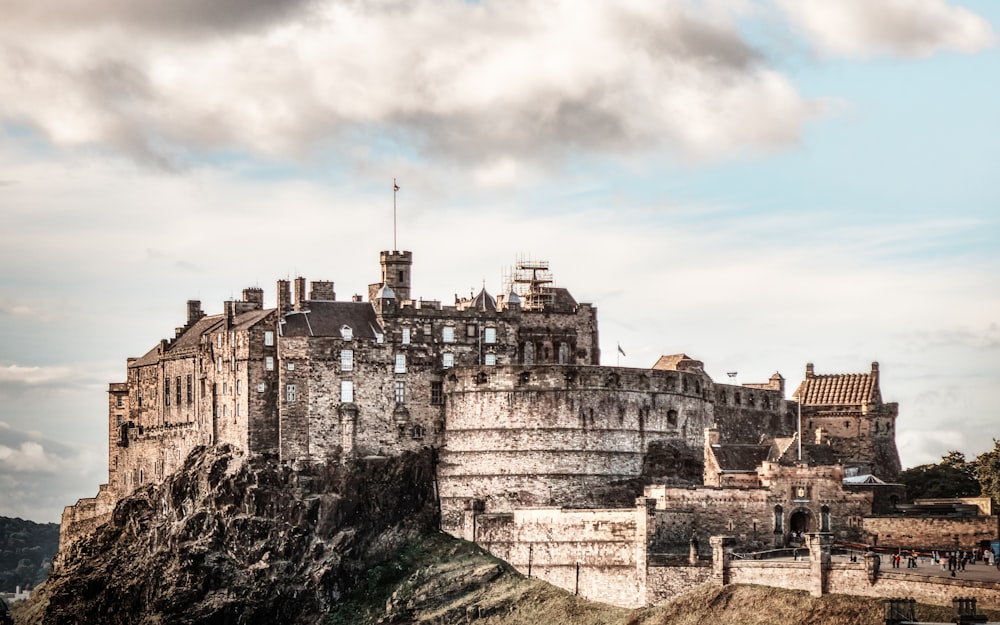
x,y
396,268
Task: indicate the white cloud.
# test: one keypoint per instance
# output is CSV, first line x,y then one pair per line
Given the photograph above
x,y
491,83
899,28
34,376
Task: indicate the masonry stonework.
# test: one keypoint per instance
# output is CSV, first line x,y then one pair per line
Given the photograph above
x,y
594,478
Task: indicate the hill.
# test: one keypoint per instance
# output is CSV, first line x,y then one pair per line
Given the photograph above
x,y
230,539
26,552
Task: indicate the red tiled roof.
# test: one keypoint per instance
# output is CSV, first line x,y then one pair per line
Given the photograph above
x,y
845,389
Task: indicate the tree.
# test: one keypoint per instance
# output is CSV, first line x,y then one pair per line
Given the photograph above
x,y
952,477
988,470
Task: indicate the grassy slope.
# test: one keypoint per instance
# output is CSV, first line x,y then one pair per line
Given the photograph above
x,y
442,580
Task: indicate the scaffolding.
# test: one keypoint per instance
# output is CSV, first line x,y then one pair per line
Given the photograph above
x,y
532,281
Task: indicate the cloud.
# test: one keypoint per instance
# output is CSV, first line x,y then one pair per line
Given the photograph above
x,y
38,476
14,309
490,83
34,376
898,28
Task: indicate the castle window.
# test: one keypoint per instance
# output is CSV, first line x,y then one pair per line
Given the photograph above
x,y
232,363
166,391
400,364
447,360
118,420
779,520
346,391
237,410
225,388
269,363
437,393
847,425
260,387
290,366
529,353
239,387
400,391
218,339
190,389
119,402
402,276
379,338
218,364
177,389
737,399
490,336
346,332
448,334
489,360
427,329
672,417
225,410
290,394
268,338
347,360
471,330
563,353
406,336
417,432
824,519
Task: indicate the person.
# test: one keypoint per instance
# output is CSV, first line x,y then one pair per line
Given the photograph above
x,y
986,556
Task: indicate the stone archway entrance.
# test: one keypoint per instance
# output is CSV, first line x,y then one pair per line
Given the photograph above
x,y
799,523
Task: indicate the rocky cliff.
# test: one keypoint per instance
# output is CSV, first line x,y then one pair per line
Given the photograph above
x,y
231,539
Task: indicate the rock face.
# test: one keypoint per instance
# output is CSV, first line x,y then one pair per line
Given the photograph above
x,y
231,539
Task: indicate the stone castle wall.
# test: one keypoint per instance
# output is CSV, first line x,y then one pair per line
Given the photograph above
x,y
598,554
942,533
560,435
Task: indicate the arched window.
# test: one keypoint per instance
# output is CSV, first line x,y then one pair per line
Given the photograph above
x,y
346,332
824,519
779,520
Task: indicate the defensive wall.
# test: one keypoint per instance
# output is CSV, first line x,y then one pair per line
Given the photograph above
x,y
943,533
568,435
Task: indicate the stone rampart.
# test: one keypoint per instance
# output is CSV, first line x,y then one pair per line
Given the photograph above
x,y
931,532
598,554
664,583
560,435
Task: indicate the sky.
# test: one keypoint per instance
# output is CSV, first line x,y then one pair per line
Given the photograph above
x,y
757,183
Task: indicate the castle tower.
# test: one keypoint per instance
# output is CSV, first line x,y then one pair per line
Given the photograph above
x,y
396,268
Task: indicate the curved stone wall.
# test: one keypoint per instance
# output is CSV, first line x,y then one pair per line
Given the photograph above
x,y
560,435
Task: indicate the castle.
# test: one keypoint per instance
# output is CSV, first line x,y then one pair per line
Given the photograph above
x,y
547,458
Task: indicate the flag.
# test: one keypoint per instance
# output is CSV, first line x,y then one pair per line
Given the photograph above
x,y
620,350
395,187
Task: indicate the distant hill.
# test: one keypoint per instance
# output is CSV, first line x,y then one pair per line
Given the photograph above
x,y
26,552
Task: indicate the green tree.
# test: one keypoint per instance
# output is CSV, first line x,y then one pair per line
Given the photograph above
x,y
952,477
988,471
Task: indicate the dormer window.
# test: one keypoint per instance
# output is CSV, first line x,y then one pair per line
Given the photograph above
x,y
346,332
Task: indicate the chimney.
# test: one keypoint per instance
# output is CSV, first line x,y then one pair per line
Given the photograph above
x,y
254,295
300,292
230,307
194,312
809,370
322,290
284,297
874,367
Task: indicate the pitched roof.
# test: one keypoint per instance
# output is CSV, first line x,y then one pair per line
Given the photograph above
x,y
740,457
677,362
862,479
844,389
327,318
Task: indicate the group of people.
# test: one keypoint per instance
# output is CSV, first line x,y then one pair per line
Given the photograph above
x,y
951,561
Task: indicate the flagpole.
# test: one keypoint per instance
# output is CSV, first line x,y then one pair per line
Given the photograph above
x,y
395,188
